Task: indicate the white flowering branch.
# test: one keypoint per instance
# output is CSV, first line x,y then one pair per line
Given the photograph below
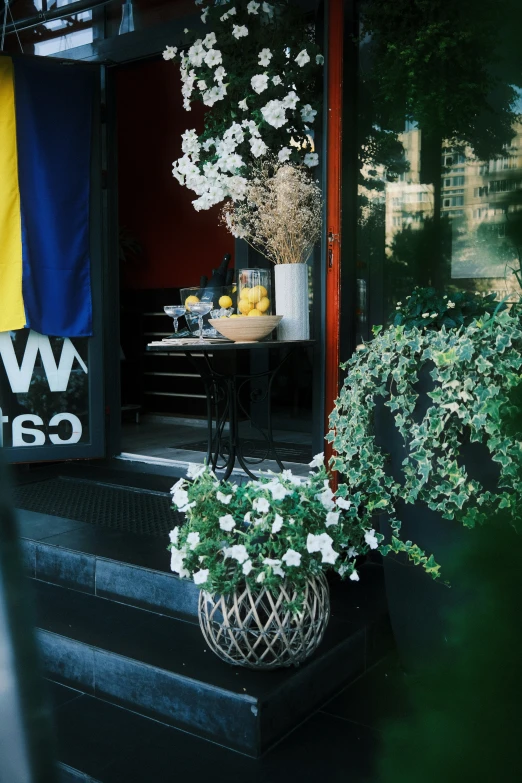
x,y
262,98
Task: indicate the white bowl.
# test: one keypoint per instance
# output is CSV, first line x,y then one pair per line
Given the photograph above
x,y
246,329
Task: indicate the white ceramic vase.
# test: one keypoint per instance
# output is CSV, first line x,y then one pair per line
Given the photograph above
x,y
291,294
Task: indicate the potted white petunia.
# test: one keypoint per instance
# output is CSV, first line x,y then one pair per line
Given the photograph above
x,y
259,553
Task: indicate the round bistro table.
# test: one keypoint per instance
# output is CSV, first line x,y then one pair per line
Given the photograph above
x,y
230,394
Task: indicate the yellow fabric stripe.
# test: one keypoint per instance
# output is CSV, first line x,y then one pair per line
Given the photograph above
x,y
12,314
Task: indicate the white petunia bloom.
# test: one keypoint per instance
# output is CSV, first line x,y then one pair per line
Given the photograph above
x,y
194,470
252,7
354,576
258,147
196,54
247,519
329,555
213,58
202,85
237,552
278,491
201,576
302,58
425,315
292,558
307,113
352,552
311,159
170,52
243,105
227,522
261,577
247,567
177,562
277,524
193,540
342,503
274,113
276,80
318,461
291,100
275,565
219,74
268,9
209,40
180,498
371,539
317,543
229,13
262,505
265,55
223,498
450,304
259,82
204,16
319,59
239,31
206,146
326,498
174,535
180,484
332,518
434,315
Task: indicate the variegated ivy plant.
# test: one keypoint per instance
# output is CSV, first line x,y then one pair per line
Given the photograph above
x,y
473,367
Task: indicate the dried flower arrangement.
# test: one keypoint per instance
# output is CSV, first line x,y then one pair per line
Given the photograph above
x,y
281,216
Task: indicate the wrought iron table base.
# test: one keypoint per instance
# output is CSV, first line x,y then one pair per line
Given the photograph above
x,y
229,397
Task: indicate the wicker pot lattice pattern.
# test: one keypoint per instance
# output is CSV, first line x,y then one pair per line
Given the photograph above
x,y
254,628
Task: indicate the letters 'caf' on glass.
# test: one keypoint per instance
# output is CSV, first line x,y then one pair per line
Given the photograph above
x,y
44,390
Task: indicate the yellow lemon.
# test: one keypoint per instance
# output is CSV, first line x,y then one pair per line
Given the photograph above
x,y
225,302
191,300
245,292
256,293
244,306
234,315
234,289
263,305
254,312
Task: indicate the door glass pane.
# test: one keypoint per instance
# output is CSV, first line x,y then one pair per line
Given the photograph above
x,y
440,152
44,390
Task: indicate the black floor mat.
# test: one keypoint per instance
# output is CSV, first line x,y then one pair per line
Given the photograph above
x,y
287,452
126,510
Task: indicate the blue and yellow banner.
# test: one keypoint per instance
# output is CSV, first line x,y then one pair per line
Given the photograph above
x,y
45,152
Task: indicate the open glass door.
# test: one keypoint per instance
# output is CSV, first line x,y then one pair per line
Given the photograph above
x,y
51,345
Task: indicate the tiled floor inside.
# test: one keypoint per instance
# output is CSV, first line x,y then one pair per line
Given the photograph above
x,y
340,743
162,438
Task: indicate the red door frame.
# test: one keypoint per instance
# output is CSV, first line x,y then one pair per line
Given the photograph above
x,y
335,22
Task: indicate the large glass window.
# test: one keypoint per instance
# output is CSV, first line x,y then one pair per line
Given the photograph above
x,y
440,151
44,390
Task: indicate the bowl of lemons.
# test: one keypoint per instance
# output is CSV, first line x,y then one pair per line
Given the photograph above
x,y
241,328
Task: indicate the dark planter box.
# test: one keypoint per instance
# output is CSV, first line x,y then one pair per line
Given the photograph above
x,y
420,607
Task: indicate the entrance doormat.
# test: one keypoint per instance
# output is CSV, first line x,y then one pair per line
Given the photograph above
x,y
287,452
137,511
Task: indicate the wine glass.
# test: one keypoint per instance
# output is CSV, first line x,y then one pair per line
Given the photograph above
x,y
175,312
200,309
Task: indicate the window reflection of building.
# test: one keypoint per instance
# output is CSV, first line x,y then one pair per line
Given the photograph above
x,y
478,197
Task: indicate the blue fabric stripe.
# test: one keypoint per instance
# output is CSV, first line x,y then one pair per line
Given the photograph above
x,y
54,119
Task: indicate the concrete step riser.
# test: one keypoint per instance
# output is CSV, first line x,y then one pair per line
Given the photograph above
x,y
203,710
141,587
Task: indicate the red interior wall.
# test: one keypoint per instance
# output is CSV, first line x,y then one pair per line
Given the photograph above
x,y
179,243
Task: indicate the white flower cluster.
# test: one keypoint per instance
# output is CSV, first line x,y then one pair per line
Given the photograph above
x,y
225,177
266,512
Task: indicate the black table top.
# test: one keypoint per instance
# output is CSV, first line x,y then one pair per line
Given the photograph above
x,y
226,345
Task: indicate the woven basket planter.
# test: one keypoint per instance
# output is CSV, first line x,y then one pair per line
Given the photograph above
x,y
253,628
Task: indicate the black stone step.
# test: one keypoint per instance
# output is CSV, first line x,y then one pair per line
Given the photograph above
x,y
160,667
98,741
134,570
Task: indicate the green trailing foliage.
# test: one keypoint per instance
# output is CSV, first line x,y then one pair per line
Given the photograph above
x,y
476,371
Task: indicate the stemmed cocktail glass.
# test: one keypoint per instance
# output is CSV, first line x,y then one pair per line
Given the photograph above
x,y
175,312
